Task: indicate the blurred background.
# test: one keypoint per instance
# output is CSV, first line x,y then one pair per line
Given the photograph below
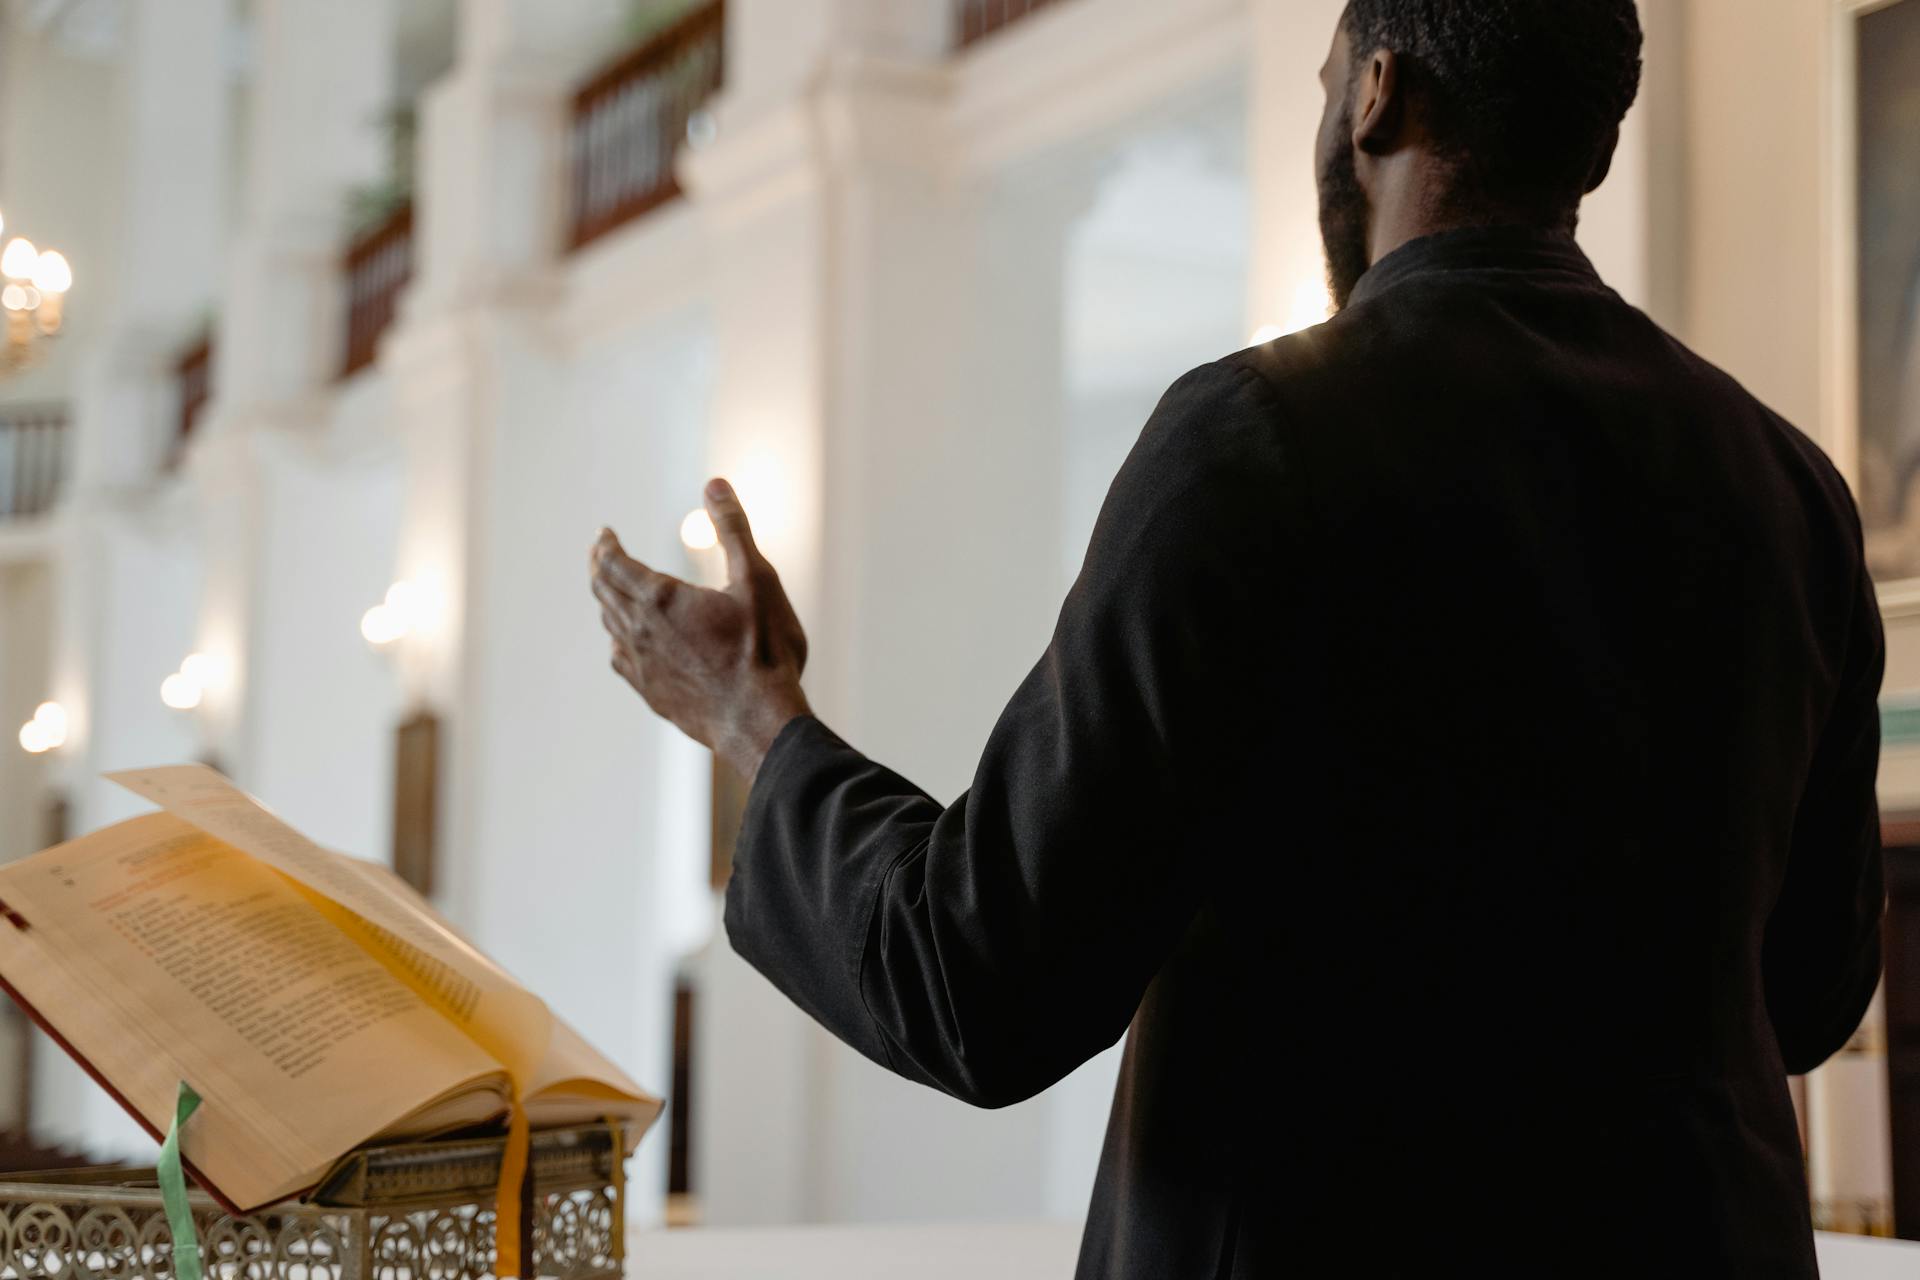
x,y
336,328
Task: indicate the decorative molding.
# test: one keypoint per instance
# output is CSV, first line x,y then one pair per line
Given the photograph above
x,y
28,539
882,114
631,277
753,164
1899,599
1074,71
1853,1216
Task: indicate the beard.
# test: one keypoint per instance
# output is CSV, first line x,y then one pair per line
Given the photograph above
x,y
1344,213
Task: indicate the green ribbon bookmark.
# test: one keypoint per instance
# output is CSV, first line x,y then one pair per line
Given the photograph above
x,y
173,1190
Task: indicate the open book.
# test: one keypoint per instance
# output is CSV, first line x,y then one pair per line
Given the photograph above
x,y
314,1001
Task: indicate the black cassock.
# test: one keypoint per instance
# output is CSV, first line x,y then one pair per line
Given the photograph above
x,y
1455,763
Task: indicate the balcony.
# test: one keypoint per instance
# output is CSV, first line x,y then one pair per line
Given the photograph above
x,y
632,116
33,458
193,381
378,266
975,20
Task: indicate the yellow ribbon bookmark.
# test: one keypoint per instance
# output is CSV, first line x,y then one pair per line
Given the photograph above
x,y
513,1200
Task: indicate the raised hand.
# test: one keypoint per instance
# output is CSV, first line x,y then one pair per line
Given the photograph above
x,y
724,666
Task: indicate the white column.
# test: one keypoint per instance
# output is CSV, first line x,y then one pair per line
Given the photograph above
x,y
550,768
487,256
175,120
322,77
761,192
493,155
175,123
889,405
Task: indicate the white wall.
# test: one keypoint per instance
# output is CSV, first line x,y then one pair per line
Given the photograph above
x,y
324,704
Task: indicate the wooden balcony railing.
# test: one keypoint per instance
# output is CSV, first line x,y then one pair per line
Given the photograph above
x,y
194,380
33,458
378,266
631,117
978,19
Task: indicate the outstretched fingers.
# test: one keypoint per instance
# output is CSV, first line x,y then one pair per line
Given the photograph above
x,y
616,572
731,526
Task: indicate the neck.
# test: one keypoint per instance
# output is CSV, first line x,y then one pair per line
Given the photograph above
x,y
1404,211
1394,228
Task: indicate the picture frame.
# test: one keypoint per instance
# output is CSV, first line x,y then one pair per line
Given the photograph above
x,y
1867,445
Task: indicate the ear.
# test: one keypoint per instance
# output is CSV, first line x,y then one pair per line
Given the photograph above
x,y
1380,109
1604,165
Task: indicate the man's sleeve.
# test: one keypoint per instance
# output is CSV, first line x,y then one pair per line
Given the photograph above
x,y
1822,952
991,946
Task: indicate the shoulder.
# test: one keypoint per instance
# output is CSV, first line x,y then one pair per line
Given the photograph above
x,y
1215,456
1803,459
1215,395
1218,427
1303,375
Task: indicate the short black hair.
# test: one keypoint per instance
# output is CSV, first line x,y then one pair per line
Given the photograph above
x,y
1525,95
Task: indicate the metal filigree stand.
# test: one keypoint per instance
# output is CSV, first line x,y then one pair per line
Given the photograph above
x,y
417,1211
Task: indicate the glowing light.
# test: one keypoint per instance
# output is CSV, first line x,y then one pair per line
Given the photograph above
x,y
400,614
51,274
52,717
180,693
18,261
46,731
204,670
1311,306
381,625
764,485
697,531
13,298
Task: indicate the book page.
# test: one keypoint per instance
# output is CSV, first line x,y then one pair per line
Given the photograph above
x,y
479,997
572,1066
578,1084
160,953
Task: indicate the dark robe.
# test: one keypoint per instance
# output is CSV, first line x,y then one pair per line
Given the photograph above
x,y
1455,764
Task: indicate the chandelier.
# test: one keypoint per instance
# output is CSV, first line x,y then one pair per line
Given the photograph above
x,y
36,285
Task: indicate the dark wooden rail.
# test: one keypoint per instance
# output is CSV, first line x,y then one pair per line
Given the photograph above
x,y
631,117
978,19
33,457
378,266
194,379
